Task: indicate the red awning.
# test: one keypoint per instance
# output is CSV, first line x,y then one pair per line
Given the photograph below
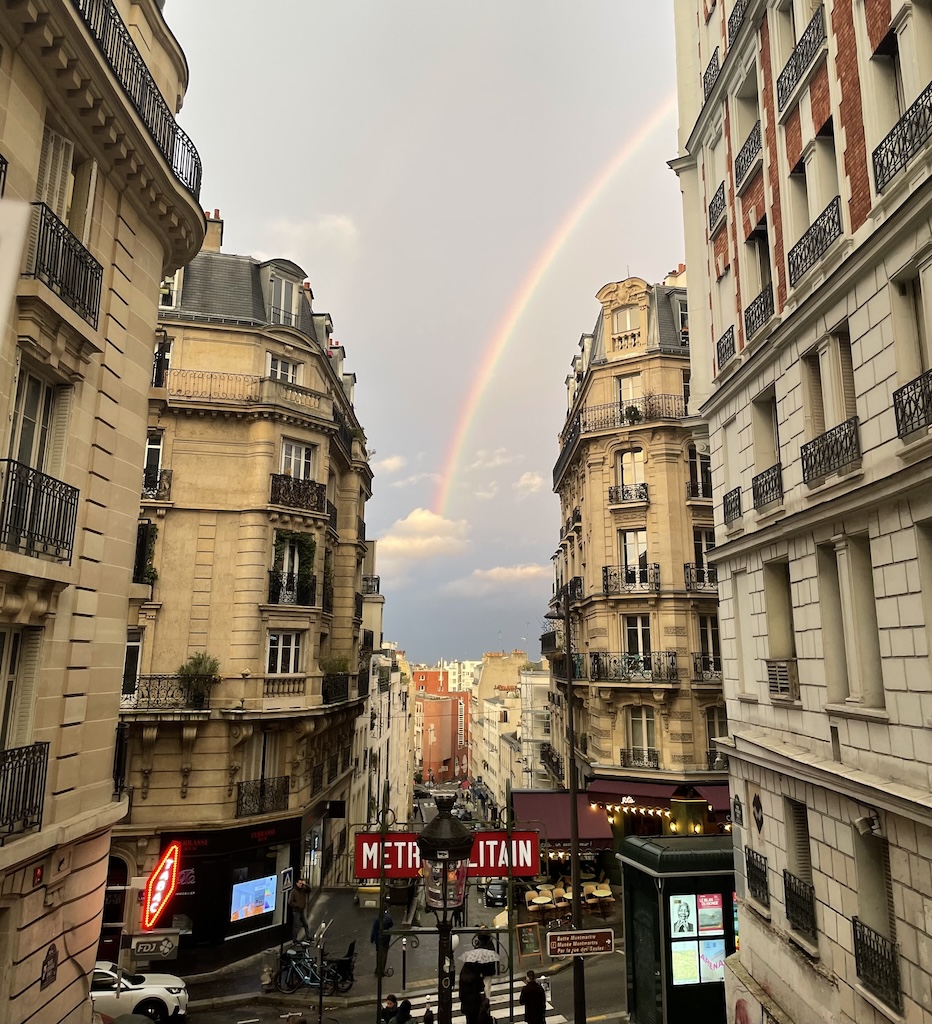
x,y
549,813
717,796
653,794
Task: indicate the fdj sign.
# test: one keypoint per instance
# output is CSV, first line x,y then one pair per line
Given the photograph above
x,y
399,856
160,887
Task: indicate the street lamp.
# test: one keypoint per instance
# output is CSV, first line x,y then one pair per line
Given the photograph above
x,y
561,610
445,846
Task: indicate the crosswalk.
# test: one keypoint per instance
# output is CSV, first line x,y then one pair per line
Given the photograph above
x,y
498,1001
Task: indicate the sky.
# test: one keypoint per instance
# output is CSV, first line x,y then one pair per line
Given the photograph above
x,y
457,180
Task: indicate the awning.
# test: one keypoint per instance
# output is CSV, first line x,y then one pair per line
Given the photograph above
x,y
549,813
652,794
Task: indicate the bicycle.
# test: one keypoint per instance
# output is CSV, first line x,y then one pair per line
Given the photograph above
x,y
299,968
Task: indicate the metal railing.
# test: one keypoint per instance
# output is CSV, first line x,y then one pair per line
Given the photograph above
x,y
619,493
700,577
575,588
710,77
284,686
717,206
767,487
810,42
904,141
759,311
799,899
4,167
120,757
262,796
308,495
912,405
551,759
167,693
623,579
758,885
156,484
831,451
333,516
731,505
551,642
39,513
715,761
22,789
143,570
371,584
117,46
299,588
59,260
655,666
367,640
748,153
698,489
725,348
334,687
558,664
824,230
706,667
357,605
326,600
877,963
639,757
362,682
736,19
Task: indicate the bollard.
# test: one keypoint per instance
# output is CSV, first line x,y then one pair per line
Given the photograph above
x,y
404,964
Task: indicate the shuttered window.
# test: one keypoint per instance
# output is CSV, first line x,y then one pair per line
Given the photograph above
x,y
798,857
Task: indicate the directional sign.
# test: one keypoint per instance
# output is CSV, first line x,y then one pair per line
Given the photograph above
x,y
582,943
159,945
287,879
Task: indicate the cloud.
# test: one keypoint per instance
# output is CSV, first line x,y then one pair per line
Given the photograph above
x,y
416,478
487,493
390,464
486,582
528,483
487,458
330,234
423,535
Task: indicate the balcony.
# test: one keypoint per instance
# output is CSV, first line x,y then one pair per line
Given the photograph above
x,y
22,789
284,686
60,261
654,667
810,42
715,761
306,495
725,348
333,517
908,136
361,530
639,757
370,585
782,678
824,230
551,642
758,886
552,760
119,50
620,493
39,513
143,569
832,451
711,75
558,663
878,964
262,796
700,577
385,678
731,505
759,311
334,687
575,588
156,484
799,899
736,19
767,487
367,641
357,606
298,588
707,668
699,489
744,161
167,693
362,682
629,579
717,206
912,405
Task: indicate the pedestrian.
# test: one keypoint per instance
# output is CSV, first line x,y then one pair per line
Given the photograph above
x,y
471,992
485,1011
389,1010
534,1000
297,904
487,968
428,1014
404,1012
458,916
381,938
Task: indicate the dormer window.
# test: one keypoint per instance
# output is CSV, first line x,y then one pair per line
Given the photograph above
x,y
283,369
170,290
283,309
626,320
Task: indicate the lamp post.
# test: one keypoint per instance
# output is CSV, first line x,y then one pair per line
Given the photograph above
x,y
562,611
445,846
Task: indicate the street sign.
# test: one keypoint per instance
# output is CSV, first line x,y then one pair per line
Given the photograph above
x,y
287,879
399,856
160,945
581,943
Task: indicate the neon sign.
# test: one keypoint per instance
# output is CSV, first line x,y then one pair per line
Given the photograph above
x,y
160,887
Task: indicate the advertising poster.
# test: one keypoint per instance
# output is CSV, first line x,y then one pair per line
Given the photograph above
x,y
712,960
734,903
684,957
709,910
683,915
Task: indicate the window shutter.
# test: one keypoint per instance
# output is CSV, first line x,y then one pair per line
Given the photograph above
x,y
814,394
846,368
58,435
26,683
54,171
888,888
802,862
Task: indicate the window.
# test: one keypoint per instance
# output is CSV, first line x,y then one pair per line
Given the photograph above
x,y
798,859
629,388
283,294
161,362
10,645
778,598
765,432
283,369
745,633
626,320
284,652
66,184
637,636
716,720
629,467
170,290
686,392
299,460
19,665
153,469
798,200
700,474
889,94
632,545
703,543
682,311
641,732
131,661
710,644
261,756
874,889
908,296
33,419
460,722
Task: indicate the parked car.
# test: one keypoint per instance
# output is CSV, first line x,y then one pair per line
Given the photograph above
x,y
160,997
496,892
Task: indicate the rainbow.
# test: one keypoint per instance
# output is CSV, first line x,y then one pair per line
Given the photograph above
x,y
499,342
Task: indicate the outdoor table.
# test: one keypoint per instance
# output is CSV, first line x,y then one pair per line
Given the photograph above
x,y
546,887
602,893
541,900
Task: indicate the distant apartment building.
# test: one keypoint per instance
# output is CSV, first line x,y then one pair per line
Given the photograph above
x,y
804,161
461,675
441,726
249,650
535,728
109,183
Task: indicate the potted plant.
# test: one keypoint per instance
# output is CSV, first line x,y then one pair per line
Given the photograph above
x,y
633,414
197,675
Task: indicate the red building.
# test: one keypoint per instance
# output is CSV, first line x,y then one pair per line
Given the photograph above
x,y
441,726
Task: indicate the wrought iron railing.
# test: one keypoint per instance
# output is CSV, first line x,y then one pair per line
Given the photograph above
x,y
39,513
725,348
551,642
710,77
619,493
568,441
736,18
22,789
758,886
167,693
143,569
715,760
767,487
623,579
367,641
831,451
799,899
333,517
308,495
747,154
731,505
357,605
907,138
700,577
371,584
4,167
120,757
877,963
717,206
639,757
706,667
810,42
815,242
698,489
759,311
912,405
558,663
551,759
298,588
284,686
655,666
575,588
156,484
262,796
362,682
326,600
59,260
126,62
334,687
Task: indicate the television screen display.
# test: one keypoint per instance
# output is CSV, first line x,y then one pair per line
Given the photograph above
x,y
252,898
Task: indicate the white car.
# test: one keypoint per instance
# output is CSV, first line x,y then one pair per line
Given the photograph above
x,y
162,997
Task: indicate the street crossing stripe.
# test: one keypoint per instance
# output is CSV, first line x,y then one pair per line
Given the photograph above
x,y
498,1001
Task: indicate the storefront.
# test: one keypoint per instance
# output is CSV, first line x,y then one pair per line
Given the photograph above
x,y
548,812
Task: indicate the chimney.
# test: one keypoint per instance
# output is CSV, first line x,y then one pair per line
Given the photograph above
x,y
214,237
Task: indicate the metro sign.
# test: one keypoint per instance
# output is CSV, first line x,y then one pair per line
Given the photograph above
x,y
160,887
400,858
